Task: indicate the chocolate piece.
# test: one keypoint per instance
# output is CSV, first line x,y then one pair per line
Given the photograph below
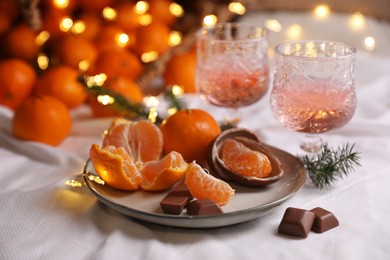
x,y
324,220
203,207
174,203
296,222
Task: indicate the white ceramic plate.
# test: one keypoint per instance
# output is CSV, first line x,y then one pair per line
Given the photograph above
x,y
247,203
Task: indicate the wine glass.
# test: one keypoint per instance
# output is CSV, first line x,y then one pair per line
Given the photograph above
x,y
232,64
313,89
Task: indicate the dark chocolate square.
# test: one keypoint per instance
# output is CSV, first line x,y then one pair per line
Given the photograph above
x,y
324,220
198,207
296,222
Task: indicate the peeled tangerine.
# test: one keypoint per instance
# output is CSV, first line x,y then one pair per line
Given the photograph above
x,y
244,161
162,174
115,167
203,185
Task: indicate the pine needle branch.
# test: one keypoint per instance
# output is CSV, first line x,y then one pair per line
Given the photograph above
x,y
328,165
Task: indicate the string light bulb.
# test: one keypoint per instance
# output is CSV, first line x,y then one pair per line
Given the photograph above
x,y
237,8
175,38
141,7
369,43
109,13
210,20
176,9
322,11
357,21
66,24
61,4
273,25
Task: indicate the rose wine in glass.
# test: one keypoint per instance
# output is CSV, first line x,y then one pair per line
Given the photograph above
x,y
232,66
313,90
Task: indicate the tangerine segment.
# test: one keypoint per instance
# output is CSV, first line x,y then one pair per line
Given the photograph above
x,y
162,174
115,167
244,161
203,185
141,139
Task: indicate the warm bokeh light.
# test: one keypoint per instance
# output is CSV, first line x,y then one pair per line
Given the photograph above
x,y
357,21
84,65
145,19
273,25
151,101
369,43
109,13
321,11
153,114
96,80
237,8
43,61
105,99
66,24
175,38
149,56
61,4
210,20
141,7
294,32
78,27
177,90
176,9
122,39
73,183
42,37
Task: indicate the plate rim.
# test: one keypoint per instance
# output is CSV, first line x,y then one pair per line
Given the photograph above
x,y
182,221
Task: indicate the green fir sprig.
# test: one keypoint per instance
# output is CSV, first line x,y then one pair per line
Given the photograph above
x,y
130,109
329,164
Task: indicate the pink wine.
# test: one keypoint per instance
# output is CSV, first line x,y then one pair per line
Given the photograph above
x,y
313,112
231,81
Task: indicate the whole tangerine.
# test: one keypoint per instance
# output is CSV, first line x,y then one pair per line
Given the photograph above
x,y
121,85
20,42
116,63
190,132
152,37
17,79
72,50
180,70
62,83
42,119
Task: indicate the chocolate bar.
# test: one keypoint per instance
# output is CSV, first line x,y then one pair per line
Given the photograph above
x,y
199,207
296,222
176,200
324,220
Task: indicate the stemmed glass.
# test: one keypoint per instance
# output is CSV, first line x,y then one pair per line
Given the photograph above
x,y
232,64
313,89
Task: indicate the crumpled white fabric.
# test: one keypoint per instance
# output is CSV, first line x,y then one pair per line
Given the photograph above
x,y
41,218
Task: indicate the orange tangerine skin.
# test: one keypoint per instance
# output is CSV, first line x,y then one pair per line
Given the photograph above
x,y
190,132
203,185
162,174
244,161
115,167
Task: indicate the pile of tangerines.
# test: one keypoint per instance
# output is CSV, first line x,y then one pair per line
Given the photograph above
x,y
39,69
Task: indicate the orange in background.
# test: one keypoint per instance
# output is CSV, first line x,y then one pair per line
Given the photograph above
x,y
72,50
180,70
160,10
122,85
17,79
115,167
152,37
162,174
203,185
20,43
116,63
42,119
190,132
62,83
